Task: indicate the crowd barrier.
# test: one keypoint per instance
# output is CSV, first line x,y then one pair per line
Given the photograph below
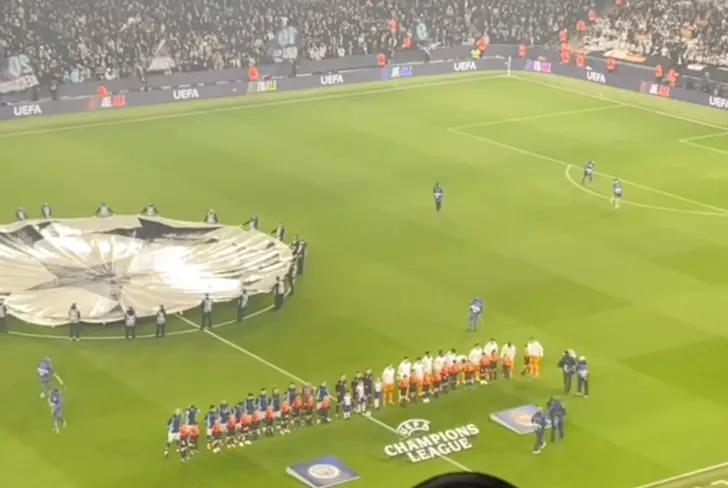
x,y
321,74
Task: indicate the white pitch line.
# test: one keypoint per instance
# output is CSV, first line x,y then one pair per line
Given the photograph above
x,y
571,180
707,136
301,380
628,104
245,106
537,117
703,146
564,163
679,477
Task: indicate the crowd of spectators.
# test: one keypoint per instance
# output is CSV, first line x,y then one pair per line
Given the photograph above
x,y
75,40
682,30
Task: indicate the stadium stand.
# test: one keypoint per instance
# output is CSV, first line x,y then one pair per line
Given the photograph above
x,y
71,41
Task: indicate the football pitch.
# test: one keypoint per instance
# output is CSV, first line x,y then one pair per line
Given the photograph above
x,y
640,291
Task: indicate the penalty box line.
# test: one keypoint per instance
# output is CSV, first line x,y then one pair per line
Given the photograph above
x,y
684,476
298,379
566,164
687,140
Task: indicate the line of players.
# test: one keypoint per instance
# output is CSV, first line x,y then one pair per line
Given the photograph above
x,y
268,413
617,189
238,425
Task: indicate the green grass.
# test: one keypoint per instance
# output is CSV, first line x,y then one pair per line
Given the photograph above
x,y
639,291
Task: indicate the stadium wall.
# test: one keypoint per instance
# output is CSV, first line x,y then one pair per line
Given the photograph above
x,y
182,87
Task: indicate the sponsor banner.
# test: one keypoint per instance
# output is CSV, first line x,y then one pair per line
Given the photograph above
x,y
332,79
397,72
718,102
628,78
537,66
27,110
112,101
429,445
596,77
517,419
464,66
16,74
655,89
263,86
185,94
322,473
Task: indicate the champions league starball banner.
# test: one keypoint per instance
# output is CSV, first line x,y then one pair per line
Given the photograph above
x,y
106,265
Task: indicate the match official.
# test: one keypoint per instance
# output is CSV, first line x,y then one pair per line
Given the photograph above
x,y
438,193
557,412
291,276
582,375
539,422
301,255
45,210
104,211
74,316
242,305
3,316
206,307
161,322
280,292
130,319
567,363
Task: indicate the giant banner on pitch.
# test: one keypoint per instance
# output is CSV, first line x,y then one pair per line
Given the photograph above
x,y
105,265
16,74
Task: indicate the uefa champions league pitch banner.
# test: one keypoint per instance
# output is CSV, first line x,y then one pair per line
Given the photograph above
x,y
105,265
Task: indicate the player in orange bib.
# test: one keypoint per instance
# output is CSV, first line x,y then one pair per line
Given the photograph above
x,y
453,372
469,369
194,437
297,411
413,388
507,365
323,411
255,424
403,388
484,367
270,420
232,431
493,366
217,436
184,442
285,418
246,422
426,388
308,407
436,382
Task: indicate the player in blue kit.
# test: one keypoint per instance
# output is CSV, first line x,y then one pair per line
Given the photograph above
x,y
263,400
250,403
617,192
275,398
45,373
438,193
210,418
174,424
588,172
291,393
56,403
322,392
